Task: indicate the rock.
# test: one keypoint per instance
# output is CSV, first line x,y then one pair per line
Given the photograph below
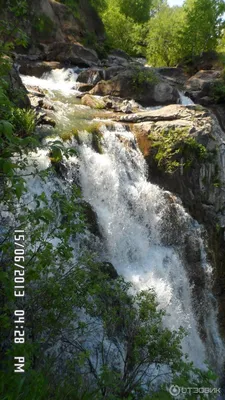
x,y
95,75
199,87
120,53
53,21
37,68
167,113
206,61
109,269
90,76
95,102
175,74
72,53
110,103
146,92
92,219
43,119
16,90
84,87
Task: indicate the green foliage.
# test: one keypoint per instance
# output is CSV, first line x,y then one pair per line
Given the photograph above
x,y
11,34
119,28
138,10
23,121
176,148
43,24
218,91
202,26
143,76
163,39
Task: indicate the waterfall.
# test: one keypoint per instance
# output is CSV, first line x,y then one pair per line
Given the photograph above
x,y
185,100
134,217
146,233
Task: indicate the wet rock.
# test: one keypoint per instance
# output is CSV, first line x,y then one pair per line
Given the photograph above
x,y
91,76
110,103
44,119
109,269
72,53
92,219
37,68
146,92
85,87
95,102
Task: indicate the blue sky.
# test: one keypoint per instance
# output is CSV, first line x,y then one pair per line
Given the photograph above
x,y
175,2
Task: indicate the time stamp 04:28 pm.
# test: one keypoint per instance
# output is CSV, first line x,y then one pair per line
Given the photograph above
x,y
19,293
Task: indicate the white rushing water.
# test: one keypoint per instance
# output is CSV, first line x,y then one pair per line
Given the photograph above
x,y
185,100
145,229
62,80
132,216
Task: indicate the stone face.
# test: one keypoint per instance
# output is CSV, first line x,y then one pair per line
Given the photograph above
x,y
176,75
146,93
93,101
199,87
37,68
74,54
17,91
90,76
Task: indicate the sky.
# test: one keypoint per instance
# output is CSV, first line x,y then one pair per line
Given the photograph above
x,y
175,2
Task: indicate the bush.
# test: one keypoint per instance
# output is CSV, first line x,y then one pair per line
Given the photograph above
x,y
174,144
218,92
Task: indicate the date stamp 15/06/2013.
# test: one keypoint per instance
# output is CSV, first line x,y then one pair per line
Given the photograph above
x,y
19,292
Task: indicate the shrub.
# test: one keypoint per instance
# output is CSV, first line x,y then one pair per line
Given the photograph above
x,y
143,76
174,144
218,92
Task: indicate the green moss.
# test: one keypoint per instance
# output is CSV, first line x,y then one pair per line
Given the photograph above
x,y
175,144
94,130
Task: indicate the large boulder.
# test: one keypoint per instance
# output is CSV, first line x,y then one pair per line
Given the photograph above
x,y
91,76
94,75
175,75
74,54
200,86
141,85
37,68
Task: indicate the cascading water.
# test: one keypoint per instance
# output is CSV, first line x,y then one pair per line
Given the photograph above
x,y
133,216
145,230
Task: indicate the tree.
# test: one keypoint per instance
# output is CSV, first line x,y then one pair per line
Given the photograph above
x,y
163,44
120,29
202,26
138,10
